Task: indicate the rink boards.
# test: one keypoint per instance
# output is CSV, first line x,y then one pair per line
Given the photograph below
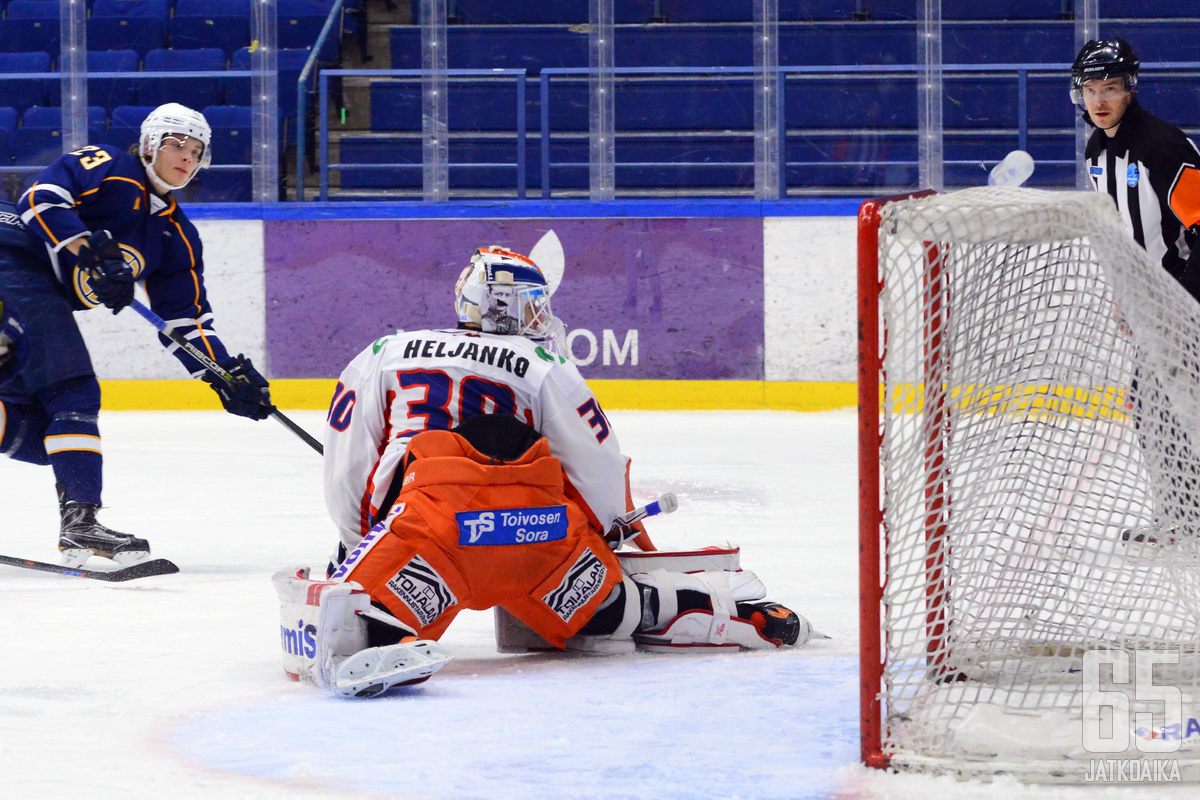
x,y
670,305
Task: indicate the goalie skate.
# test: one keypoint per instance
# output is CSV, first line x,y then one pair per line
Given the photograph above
x,y
733,621
373,671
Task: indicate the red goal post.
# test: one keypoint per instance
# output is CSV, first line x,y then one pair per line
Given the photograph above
x,y
870,520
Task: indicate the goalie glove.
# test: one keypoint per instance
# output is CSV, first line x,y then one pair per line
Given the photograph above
x,y
110,278
249,395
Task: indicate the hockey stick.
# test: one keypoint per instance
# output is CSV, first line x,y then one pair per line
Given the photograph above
x,y
622,529
215,369
142,569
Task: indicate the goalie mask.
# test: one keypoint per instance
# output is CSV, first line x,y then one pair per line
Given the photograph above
x,y
1101,61
504,292
173,121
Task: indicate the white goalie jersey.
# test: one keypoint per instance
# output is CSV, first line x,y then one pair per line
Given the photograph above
x,y
431,380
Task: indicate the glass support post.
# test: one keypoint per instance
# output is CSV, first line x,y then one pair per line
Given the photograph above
x,y
930,141
72,66
601,124
435,124
264,101
768,86
1087,27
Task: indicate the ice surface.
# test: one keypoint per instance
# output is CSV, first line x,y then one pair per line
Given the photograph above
x,y
171,687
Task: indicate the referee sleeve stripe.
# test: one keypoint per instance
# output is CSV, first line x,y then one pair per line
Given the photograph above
x,y
1184,197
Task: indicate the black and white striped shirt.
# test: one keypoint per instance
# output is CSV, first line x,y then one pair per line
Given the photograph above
x,y
1152,171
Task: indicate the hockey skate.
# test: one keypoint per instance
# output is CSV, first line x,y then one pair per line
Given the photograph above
x,y
81,536
779,625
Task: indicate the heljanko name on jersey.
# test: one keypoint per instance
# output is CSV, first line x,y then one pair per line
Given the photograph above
x,y
493,355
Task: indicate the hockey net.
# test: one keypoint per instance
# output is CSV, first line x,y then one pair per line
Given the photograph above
x,y
1029,389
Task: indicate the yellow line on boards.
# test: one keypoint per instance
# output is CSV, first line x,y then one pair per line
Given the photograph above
x,y
314,394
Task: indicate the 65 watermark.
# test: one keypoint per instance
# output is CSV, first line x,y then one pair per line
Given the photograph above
x,y
1126,713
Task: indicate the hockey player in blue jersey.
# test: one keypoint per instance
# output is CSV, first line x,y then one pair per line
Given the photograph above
x,y
91,225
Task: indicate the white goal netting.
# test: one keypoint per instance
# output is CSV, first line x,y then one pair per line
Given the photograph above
x,y
1040,399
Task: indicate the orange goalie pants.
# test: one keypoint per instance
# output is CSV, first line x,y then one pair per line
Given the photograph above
x,y
466,532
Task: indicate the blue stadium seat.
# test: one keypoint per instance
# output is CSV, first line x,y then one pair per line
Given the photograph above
x,y
743,10
8,129
300,23
290,64
23,93
112,92
683,104
223,24
223,186
157,9
1157,41
720,161
1004,10
849,161
472,106
514,12
30,25
991,102
233,133
1146,9
867,102
830,44
504,47
192,92
714,45
405,153
984,151
139,33
40,139
1174,98
125,126
1008,42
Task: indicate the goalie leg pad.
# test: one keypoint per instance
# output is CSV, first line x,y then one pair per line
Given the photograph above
x,y
324,638
721,626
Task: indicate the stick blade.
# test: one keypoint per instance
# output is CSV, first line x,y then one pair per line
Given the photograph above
x,y
142,569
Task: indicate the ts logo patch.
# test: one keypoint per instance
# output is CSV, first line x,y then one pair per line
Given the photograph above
x,y
422,589
504,526
582,582
1131,175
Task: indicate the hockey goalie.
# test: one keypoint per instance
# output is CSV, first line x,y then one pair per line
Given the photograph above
x,y
474,468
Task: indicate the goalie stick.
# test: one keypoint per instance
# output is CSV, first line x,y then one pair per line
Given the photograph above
x,y
215,369
142,569
622,530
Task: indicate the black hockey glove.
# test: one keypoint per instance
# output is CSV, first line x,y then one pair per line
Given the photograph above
x,y
109,276
14,344
1189,276
249,395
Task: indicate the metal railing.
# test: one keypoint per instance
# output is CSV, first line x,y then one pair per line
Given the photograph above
x,y
1021,73
323,99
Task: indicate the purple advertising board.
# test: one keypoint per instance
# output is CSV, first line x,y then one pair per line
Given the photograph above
x,y
668,299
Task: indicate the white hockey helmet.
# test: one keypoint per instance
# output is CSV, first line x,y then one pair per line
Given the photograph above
x,y
165,121
505,292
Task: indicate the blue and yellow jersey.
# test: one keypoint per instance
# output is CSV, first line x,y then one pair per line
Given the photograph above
x,y
99,187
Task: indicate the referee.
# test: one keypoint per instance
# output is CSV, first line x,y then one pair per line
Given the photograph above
x,y
1152,171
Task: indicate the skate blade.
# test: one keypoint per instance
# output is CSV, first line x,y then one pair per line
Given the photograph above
x,y
77,557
